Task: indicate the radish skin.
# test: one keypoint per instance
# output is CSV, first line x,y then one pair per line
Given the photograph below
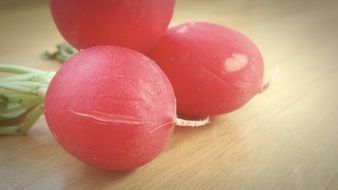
x,y
111,107
213,69
128,23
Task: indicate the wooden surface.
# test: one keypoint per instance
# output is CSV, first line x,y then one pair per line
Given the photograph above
x,y
286,138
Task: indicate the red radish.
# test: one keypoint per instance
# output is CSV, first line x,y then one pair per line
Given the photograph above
x,y
213,69
111,107
128,23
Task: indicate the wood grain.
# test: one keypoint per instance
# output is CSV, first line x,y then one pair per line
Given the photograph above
x,y
285,138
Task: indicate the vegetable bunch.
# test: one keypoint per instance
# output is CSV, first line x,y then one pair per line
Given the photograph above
x,y
114,104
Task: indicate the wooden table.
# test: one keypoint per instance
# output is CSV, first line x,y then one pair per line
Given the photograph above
x,y
285,138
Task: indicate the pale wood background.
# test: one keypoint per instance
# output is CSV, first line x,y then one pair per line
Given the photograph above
x,y
286,138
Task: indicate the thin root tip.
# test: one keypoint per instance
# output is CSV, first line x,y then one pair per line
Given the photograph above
x,y
191,123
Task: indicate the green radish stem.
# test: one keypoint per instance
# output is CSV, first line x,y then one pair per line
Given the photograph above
x,y
21,96
62,53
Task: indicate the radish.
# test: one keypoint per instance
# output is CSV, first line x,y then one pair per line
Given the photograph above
x,y
112,108
213,69
127,23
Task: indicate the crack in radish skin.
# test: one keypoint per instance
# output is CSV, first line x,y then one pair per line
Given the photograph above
x,y
116,118
224,83
110,118
160,126
236,62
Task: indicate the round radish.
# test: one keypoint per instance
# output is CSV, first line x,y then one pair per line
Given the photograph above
x,y
128,23
111,107
213,69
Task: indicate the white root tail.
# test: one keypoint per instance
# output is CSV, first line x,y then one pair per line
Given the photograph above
x,y
191,123
271,79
